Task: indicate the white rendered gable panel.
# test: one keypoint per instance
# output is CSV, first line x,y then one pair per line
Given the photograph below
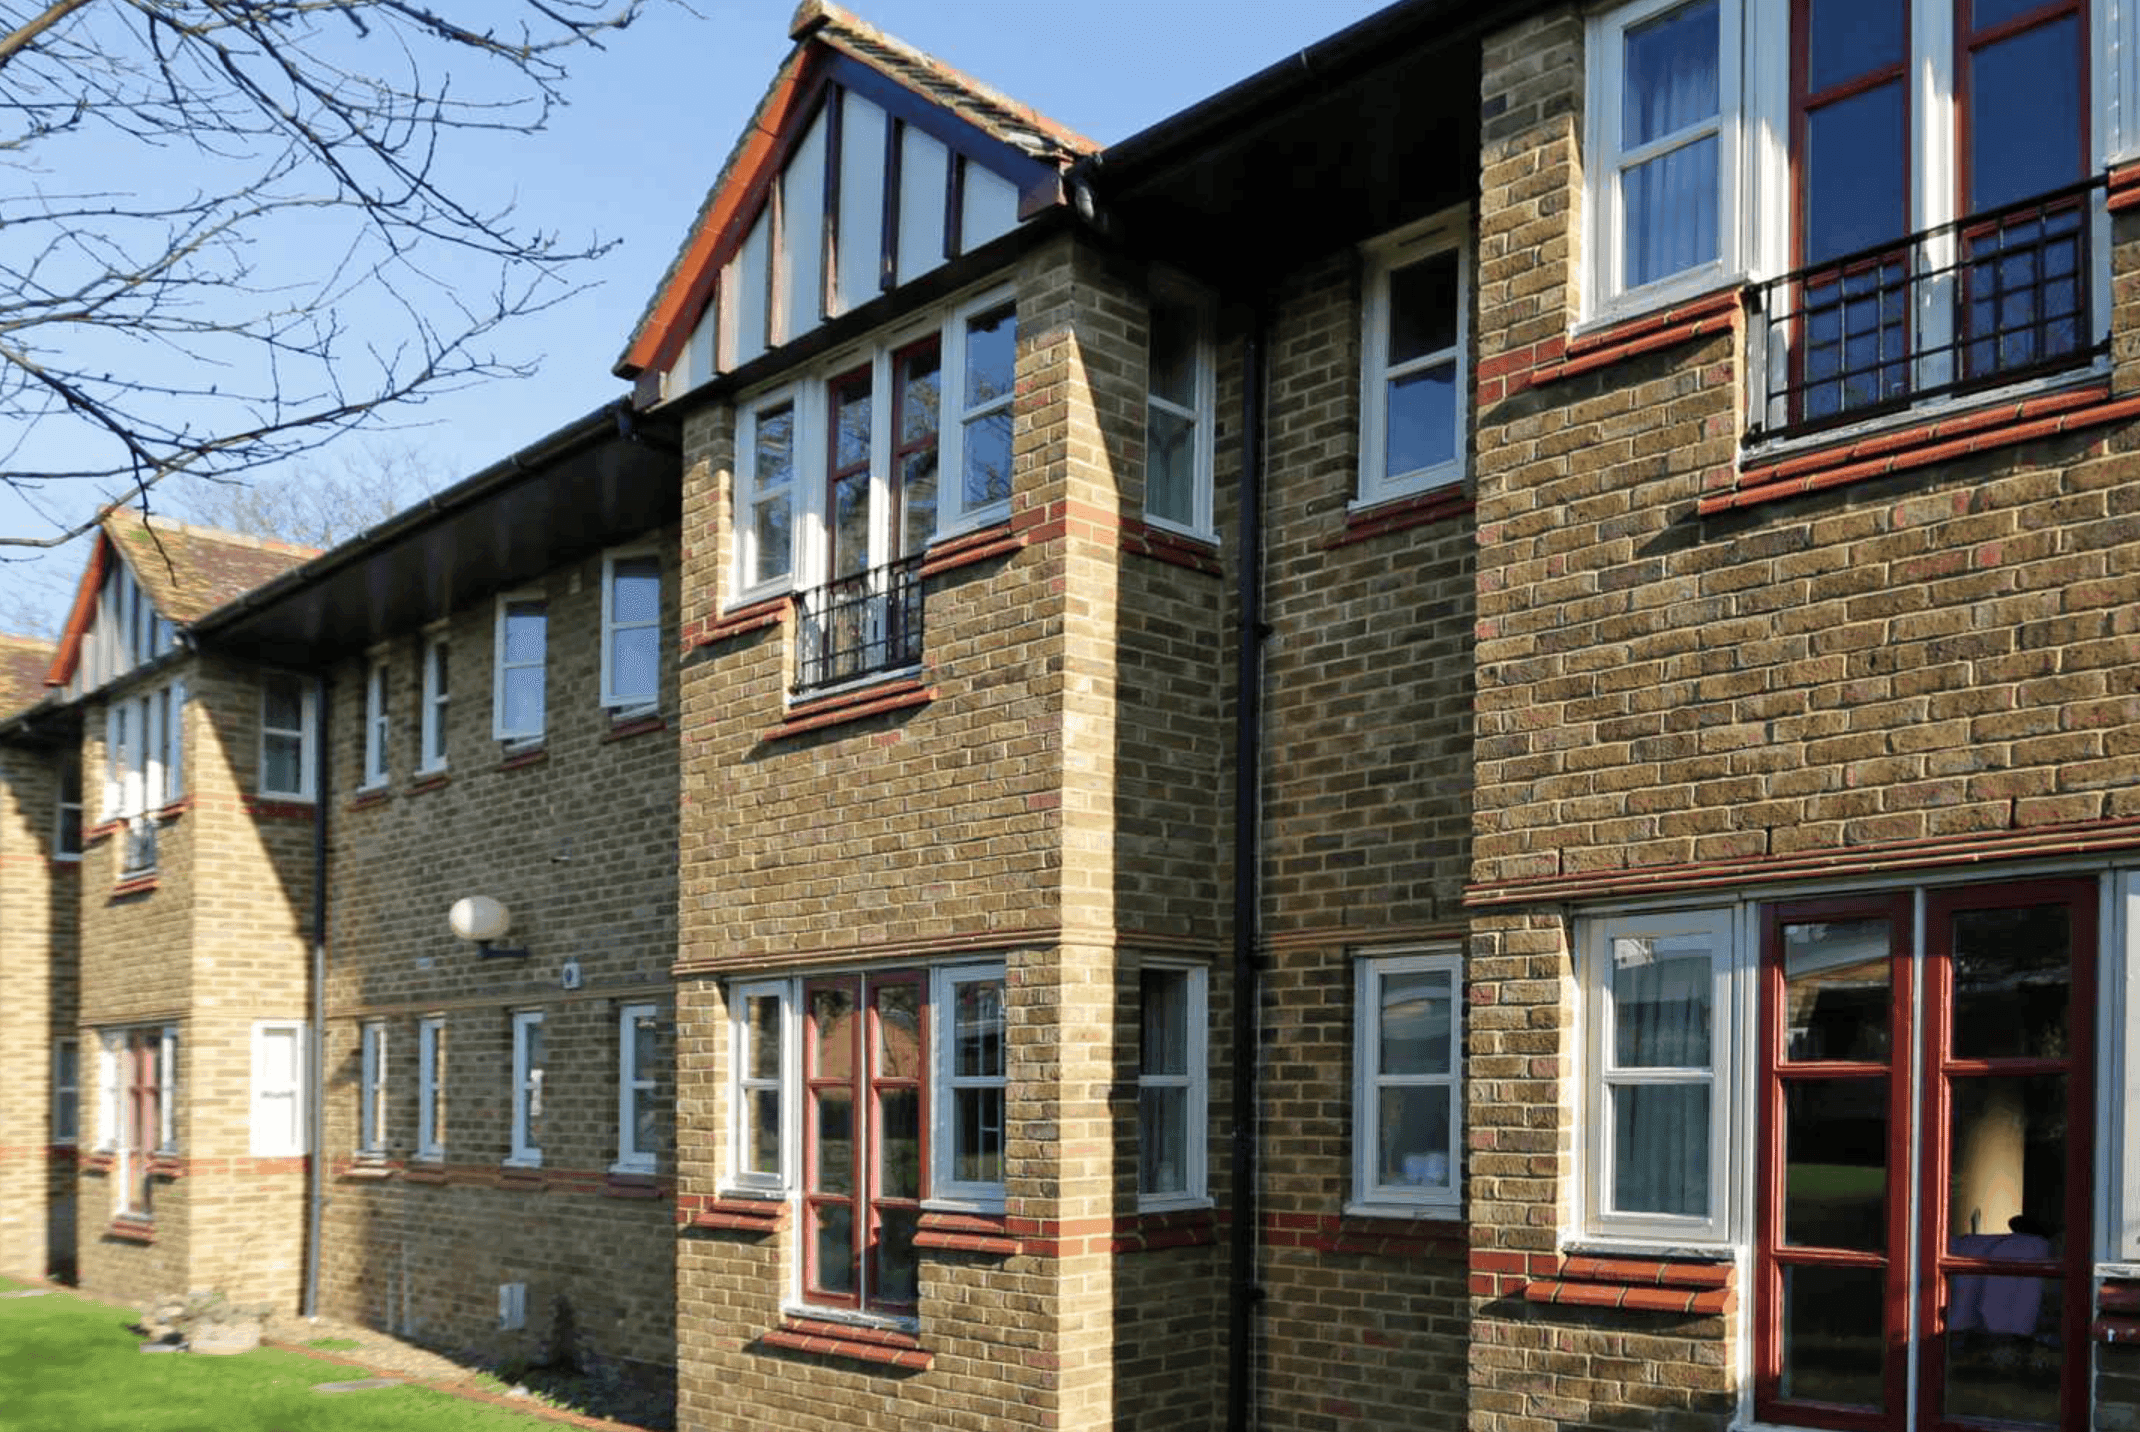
x,y
751,298
802,236
861,200
923,162
991,208
699,360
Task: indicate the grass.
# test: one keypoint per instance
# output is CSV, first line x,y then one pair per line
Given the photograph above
x,y
335,1344
9,1285
68,1362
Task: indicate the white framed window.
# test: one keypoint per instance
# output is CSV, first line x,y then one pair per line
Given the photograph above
x,y
153,750
1659,1034
1415,409
174,740
761,1046
371,1090
67,811
287,720
66,1091
1180,400
631,632
437,693
518,673
528,1070
111,1046
375,723
1664,146
981,358
278,1103
137,1072
969,1144
167,1102
638,1076
431,1087
765,494
1172,1093
1408,1048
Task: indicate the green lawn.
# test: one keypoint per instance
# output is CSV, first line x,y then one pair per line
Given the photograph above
x,y
69,1365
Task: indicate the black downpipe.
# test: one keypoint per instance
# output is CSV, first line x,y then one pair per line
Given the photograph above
x,y
315,1066
1244,1292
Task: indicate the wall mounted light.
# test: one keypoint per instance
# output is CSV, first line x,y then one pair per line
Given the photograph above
x,y
485,921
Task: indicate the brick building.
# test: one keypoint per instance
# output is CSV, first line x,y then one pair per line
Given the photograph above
x,y
1452,742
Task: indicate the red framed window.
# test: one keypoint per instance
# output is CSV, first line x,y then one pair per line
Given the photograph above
x,y
1970,1165
142,1113
865,1147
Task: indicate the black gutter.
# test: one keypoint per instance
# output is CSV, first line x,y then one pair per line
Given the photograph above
x,y
1243,1290
616,416
315,1064
1302,76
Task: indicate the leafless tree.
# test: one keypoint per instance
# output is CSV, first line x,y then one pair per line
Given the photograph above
x,y
320,501
229,230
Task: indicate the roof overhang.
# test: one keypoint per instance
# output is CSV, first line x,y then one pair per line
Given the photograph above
x,y
601,480
1379,122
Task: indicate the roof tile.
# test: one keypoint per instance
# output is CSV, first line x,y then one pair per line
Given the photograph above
x,y
23,660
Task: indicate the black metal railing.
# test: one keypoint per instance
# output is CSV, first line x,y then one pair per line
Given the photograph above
x,y
857,626
1995,298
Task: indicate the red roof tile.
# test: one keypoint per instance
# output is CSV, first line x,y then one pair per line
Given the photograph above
x,y
23,660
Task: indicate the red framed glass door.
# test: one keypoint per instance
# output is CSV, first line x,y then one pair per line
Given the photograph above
x,y
1923,1211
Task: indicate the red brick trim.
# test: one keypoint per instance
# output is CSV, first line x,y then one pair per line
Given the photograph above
x,y
1554,359
138,885
169,1167
857,705
371,799
175,809
733,1215
1176,550
2118,1297
755,617
1387,517
96,833
637,726
631,1185
366,1171
2079,838
180,1166
2124,189
276,810
521,760
434,781
965,1233
1983,429
881,1346
430,1173
97,1161
979,545
1644,1285
523,1180
131,1230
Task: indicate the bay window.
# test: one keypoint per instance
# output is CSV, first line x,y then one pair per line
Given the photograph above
x,y
845,477
868,1097
144,771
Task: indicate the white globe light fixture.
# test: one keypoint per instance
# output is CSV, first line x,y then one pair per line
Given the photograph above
x,y
485,921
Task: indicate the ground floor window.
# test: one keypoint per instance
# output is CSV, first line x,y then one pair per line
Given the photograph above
x,y
137,1087
1915,1166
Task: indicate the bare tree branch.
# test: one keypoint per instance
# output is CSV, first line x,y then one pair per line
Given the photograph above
x,y
301,253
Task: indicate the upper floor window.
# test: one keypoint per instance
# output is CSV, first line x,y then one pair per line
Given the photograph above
x,y
286,725
844,479
1407,1104
375,723
1179,400
631,632
437,693
66,1090
1415,331
522,648
1664,143
371,1091
67,812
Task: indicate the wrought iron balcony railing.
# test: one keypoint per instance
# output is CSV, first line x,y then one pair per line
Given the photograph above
x,y
1996,298
858,626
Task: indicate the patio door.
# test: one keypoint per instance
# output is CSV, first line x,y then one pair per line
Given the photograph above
x,y
1924,1185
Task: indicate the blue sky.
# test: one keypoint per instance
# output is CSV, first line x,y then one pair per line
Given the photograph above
x,y
653,115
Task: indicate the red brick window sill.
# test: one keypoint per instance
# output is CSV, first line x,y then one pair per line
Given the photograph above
x,y
896,695
971,547
1366,523
1192,553
264,809
368,800
1636,1284
1425,1237
882,1347
1555,359
631,1185
1172,1228
635,726
133,885
521,760
131,1230
734,1215
757,616
966,1233
425,1173
1956,435
434,781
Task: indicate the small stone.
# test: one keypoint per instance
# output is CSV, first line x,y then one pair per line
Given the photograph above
x,y
362,1384
162,1347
